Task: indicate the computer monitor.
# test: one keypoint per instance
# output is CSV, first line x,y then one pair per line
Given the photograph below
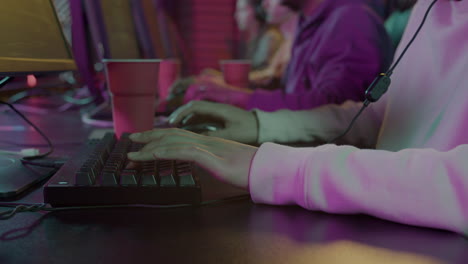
x,y
31,39
31,42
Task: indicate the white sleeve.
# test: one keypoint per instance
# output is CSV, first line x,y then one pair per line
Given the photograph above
x,y
321,124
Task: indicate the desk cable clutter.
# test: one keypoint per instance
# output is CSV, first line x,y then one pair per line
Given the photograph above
x,y
27,158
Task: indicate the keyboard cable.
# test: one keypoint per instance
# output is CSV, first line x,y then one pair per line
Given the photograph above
x,y
37,207
29,159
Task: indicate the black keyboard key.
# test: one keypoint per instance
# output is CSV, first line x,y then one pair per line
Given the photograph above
x,y
89,171
83,178
108,141
116,156
164,164
109,179
167,181
148,169
186,180
148,180
128,179
108,168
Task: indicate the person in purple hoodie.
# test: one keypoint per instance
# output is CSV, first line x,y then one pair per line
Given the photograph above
x,y
339,47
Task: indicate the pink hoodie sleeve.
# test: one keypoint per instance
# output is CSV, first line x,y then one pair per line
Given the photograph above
x,y
420,187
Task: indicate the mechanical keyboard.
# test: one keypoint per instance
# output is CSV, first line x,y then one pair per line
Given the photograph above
x,y
98,175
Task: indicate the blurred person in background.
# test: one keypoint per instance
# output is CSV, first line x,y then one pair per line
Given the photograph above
x,y
260,43
262,40
259,39
339,47
277,17
286,20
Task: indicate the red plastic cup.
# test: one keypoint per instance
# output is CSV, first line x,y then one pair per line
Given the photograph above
x,y
169,72
236,72
133,87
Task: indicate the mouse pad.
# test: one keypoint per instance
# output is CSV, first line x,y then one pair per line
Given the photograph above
x,y
16,178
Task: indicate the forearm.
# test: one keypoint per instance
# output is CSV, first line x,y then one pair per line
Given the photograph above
x,y
320,125
417,186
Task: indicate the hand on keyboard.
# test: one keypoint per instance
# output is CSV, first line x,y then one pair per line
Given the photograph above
x,y
98,175
237,124
227,160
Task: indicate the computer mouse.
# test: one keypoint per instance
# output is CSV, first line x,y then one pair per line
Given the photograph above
x,y
202,127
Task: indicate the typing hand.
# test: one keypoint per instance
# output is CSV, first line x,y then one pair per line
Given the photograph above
x,y
227,160
238,124
262,77
177,92
211,72
213,78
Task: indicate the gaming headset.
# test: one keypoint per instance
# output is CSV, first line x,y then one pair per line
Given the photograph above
x,y
260,13
380,84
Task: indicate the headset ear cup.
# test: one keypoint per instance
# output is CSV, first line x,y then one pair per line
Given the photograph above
x,y
402,5
260,13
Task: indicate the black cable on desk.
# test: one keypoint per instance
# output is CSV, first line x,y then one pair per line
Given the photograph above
x,y
36,207
3,82
49,143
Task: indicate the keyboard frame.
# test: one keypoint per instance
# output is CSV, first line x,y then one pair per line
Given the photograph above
x,y
61,191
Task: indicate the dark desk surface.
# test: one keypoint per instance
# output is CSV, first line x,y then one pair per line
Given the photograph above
x,y
233,232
